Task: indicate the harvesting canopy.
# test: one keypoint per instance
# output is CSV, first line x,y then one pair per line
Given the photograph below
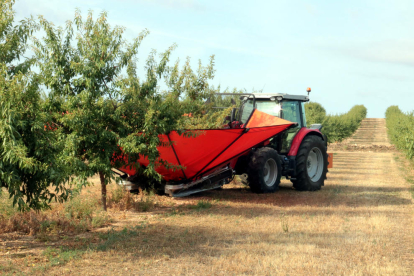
x,y
212,147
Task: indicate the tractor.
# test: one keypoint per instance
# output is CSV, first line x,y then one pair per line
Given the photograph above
x,y
295,151
299,153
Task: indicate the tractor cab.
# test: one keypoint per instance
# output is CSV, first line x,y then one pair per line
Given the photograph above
x,y
285,106
302,150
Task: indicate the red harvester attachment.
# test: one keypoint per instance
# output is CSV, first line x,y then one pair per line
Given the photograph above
x,y
211,156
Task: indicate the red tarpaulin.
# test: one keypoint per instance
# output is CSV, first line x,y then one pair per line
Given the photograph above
x,y
213,147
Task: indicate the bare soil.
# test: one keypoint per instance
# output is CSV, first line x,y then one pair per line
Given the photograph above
x,y
360,223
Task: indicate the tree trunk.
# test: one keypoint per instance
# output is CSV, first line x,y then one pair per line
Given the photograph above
x,y
103,190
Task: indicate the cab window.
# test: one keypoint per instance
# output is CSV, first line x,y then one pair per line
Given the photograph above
x,y
269,107
291,112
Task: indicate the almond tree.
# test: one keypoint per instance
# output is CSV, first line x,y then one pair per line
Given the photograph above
x,y
30,168
97,100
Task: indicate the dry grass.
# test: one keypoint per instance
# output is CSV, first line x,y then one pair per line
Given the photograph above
x,y
360,223
80,214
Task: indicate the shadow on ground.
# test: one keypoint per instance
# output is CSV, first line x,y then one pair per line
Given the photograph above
x,y
337,195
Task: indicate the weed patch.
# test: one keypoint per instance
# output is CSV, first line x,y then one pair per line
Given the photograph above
x,y
6,204
86,214
9,268
75,216
145,202
115,239
405,166
120,199
118,194
284,223
62,255
201,205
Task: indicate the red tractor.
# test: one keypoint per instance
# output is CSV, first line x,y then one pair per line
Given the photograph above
x,y
266,139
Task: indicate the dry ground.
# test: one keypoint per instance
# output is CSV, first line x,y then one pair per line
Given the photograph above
x,y
360,223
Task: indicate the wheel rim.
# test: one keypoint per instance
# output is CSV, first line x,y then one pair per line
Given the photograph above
x,y
315,164
270,172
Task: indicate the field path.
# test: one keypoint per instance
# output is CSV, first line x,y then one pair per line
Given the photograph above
x,y
360,223
371,131
381,196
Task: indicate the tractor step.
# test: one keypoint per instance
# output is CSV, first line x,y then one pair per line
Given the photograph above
x,y
210,182
194,191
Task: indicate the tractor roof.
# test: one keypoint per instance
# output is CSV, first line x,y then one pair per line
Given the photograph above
x,y
302,98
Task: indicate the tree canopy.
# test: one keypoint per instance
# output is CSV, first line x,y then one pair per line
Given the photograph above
x,y
85,102
30,167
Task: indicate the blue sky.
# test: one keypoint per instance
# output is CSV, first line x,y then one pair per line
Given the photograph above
x,y
349,52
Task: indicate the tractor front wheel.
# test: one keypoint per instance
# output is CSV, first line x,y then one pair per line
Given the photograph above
x,y
264,171
311,164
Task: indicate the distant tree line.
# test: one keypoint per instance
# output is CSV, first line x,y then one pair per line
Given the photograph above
x,y
400,127
335,127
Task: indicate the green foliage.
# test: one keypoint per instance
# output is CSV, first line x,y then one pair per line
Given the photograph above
x,y
116,240
84,213
213,111
315,113
339,127
201,205
94,103
7,209
62,255
335,127
118,194
214,119
83,66
81,70
78,215
146,203
31,166
284,222
80,208
400,127
13,40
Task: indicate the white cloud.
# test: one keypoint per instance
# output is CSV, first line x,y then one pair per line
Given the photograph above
x,y
398,52
173,4
57,12
208,43
385,75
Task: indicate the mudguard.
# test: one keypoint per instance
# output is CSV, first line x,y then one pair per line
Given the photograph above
x,y
297,141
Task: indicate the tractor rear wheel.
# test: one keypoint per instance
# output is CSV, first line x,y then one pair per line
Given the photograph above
x,y
264,171
311,164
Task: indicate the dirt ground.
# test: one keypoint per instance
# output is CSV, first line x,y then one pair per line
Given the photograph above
x,y
360,223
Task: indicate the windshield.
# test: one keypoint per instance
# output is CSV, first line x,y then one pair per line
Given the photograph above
x,y
269,107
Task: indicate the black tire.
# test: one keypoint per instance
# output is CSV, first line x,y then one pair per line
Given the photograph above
x,y
264,171
311,164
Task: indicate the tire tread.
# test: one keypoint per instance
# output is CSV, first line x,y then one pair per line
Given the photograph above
x,y
302,181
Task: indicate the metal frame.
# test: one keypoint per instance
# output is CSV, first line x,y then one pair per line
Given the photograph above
x,y
239,94
176,156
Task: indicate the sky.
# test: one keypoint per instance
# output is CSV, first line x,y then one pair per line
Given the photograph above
x,y
349,52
